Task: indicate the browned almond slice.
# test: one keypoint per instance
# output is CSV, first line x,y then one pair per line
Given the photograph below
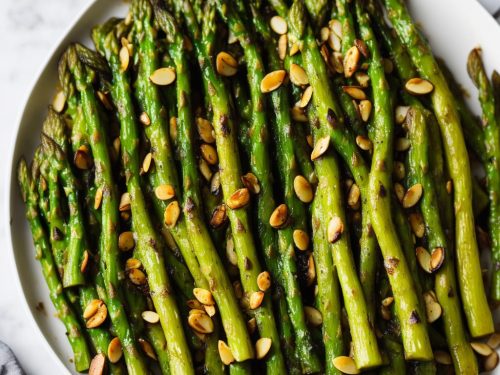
x,y
494,340
172,213
282,46
85,261
335,229
399,190
164,192
147,348
209,153
115,350
402,144
279,25
351,61
146,163
363,48
132,263
311,270
353,196
136,276
336,26
144,119
201,322
303,189
256,299
226,64
418,86
205,130
324,34
272,81
204,296
238,199
364,143
320,147
442,357
124,55
298,75
399,173
386,302
251,182
226,356
264,281
298,114
126,241
92,308
491,362
481,348
210,310
301,239
400,114
219,216
82,158
433,309
163,76
437,258
354,92
98,317
412,196
362,78
306,97
125,202
205,169
193,304
417,224
252,325
346,365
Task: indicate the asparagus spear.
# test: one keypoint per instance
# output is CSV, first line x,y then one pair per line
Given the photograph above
x,y
230,172
210,263
479,317
49,270
151,257
261,167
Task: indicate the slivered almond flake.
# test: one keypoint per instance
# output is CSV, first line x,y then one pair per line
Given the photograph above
x,y
136,276
146,163
204,296
442,357
437,258
124,55
164,192
336,26
481,348
335,229
365,109
59,101
194,304
279,25
205,169
279,217
209,153
417,224
238,199
362,78
201,322
210,310
362,47
412,196
306,97
132,263
144,119
324,34
147,348
226,64
313,316
303,189
386,302
256,299
219,216
262,347
85,261
337,61
433,309
294,49
97,364
272,81
124,202
98,198
282,46
150,316
226,356
82,158
419,86
264,281
298,75
320,147
351,61
399,190
205,130
354,92
215,184
301,239
172,213
353,196
95,313
423,258
126,241
346,365
251,182
334,42
163,76
364,143
400,114
399,173
115,350
311,270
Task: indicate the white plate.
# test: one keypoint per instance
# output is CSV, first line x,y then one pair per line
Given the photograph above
x,y
455,28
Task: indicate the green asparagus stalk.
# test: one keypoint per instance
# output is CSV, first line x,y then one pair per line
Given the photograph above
x,y
49,270
474,299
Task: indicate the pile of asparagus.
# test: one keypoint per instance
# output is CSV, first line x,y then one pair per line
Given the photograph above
x,y
263,187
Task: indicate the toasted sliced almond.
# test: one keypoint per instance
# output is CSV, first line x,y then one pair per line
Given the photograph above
x,y
124,58
163,76
256,299
320,147
309,139
362,78
132,263
209,153
282,46
334,42
279,25
351,61
294,49
251,182
303,189
210,310
97,198
386,302
115,350
433,309
311,270
365,109
354,92
481,348
136,276
215,184
201,322
219,216
126,241
172,213
418,86
298,75
412,196
442,357
324,34
494,340
491,362
402,144
125,202
346,365
144,119
226,64
92,308
146,163
272,81
353,196
417,224
306,97
226,356
150,316
99,315
97,364
449,186
194,304
82,159
399,190
85,261
400,114
59,101
337,60
164,192
298,114
205,130
262,347
172,128
264,281
364,143
301,239
423,258
204,296
205,169
399,173
147,348
252,325
313,316
437,258
335,229
240,198
362,47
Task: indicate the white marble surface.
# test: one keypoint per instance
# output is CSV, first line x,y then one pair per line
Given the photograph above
x,y
28,31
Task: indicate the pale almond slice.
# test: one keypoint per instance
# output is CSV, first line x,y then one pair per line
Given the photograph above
x,y
417,224
386,302
491,362
346,365
354,92
433,309
481,348
150,316
334,42
301,239
419,86
124,202
282,46
201,322
400,114
362,78
132,263
164,192
294,49
262,347
209,153
172,213
226,64
59,101
311,270
279,25
163,76
336,26
364,143
437,258
351,61
320,147
97,198
115,351
337,61
210,310
264,281
136,276
306,97
146,163
412,196
365,109
205,130
97,364
126,241
215,183
272,81
226,356
353,196
256,299
124,55
335,229
303,189
144,119
205,169
204,296
298,75
240,198
313,316
324,34
423,258
251,182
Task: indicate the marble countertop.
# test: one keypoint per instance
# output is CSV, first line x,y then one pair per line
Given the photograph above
x,y
28,31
